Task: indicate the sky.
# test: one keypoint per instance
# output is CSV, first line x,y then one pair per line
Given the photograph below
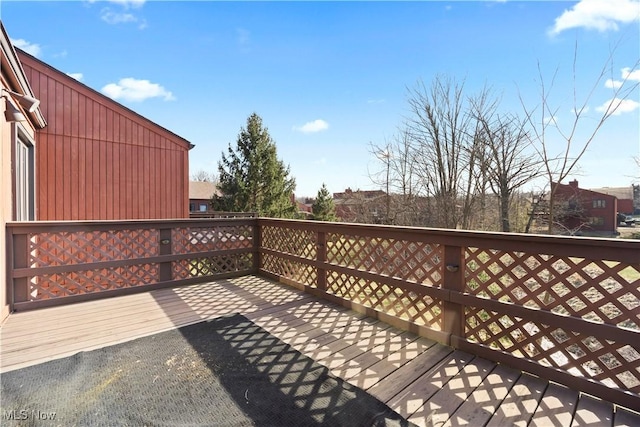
x,y
331,78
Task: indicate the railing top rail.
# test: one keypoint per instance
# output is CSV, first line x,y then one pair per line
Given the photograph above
x,y
625,250
43,226
588,247
221,214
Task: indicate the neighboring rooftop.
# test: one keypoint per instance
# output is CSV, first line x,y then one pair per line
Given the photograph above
x,y
618,192
202,190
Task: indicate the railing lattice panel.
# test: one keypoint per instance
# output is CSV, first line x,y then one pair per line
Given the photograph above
x,y
595,290
417,262
290,269
407,305
48,286
198,267
211,238
613,364
291,241
79,247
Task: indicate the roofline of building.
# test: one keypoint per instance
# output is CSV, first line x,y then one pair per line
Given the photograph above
x,y
585,190
17,78
105,98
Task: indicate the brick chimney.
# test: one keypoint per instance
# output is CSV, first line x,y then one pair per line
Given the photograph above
x,y
574,183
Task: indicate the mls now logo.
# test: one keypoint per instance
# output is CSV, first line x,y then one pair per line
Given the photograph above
x,y
14,415
23,414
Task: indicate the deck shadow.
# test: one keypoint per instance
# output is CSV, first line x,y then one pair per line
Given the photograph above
x,y
226,371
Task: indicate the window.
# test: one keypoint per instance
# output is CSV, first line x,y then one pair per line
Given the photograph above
x,y
599,203
192,207
203,207
24,177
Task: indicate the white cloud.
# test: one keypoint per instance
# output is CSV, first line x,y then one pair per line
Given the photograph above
x,y
77,76
129,3
627,74
613,84
130,89
123,13
111,17
312,127
601,15
621,106
31,48
550,120
135,4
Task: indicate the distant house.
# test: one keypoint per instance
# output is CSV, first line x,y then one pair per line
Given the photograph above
x,y
586,211
97,159
305,208
363,206
200,194
628,198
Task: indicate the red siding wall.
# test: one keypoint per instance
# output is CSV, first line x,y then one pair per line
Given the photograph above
x,y
97,159
625,206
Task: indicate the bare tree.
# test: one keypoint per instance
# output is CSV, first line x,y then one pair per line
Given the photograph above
x,y
453,152
397,175
545,127
508,164
447,156
203,176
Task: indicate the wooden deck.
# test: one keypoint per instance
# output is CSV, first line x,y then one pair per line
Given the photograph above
x,y
428,383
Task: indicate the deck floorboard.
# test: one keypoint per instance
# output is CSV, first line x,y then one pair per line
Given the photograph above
x,y
426,382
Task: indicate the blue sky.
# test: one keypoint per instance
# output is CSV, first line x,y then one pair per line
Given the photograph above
x,y
329,78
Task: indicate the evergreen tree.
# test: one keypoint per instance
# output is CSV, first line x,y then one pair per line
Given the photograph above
x,y
252,178
323,208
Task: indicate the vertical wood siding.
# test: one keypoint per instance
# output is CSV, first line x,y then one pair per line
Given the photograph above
x,y
97,160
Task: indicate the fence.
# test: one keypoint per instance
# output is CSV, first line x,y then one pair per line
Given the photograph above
x,y
60,262
567,309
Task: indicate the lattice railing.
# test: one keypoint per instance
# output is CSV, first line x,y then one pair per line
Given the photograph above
x,y
366,270
193,240
393,300
78,247
292,241
566,309
411,261
290,269
595,290
598,291
289,249
614,364
82,246
186,240
54,260
417,262
56,285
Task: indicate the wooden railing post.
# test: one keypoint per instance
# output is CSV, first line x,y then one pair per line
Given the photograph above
x,y
19,253
321,256
453,320
166,272
257,233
